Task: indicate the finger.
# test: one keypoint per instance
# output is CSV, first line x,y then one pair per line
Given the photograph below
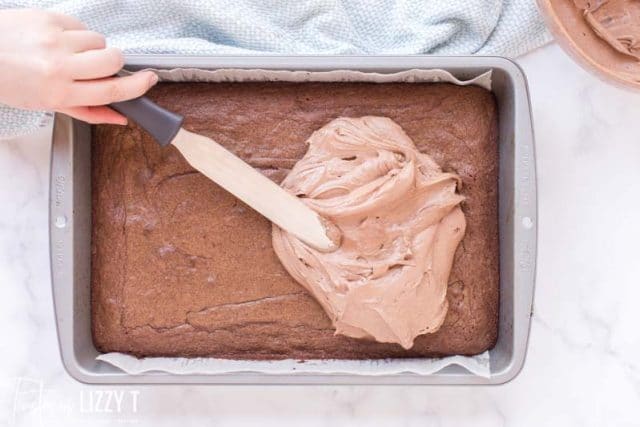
x,y
95,64
67,22
113,89
81,40
96,115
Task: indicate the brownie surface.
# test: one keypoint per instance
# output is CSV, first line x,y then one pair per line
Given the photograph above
x,y
182,268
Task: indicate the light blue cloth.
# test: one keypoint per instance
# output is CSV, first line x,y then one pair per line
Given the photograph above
x,y
441,27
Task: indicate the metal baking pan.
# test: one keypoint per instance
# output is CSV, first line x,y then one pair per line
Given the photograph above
x,y
70,223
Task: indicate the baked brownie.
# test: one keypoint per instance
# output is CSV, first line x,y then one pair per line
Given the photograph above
x,y
182,268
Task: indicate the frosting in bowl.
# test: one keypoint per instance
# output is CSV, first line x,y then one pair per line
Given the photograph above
x,y
597,37
615,21
400,219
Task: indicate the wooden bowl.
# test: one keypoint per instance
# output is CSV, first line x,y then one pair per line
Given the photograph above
x,y
576,37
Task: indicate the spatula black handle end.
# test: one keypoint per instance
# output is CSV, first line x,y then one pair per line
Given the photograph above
x,y
163,125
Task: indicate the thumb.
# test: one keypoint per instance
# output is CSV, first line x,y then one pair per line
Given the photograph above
x,y
95,115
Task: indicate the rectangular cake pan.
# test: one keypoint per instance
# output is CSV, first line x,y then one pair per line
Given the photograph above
x,y
70,223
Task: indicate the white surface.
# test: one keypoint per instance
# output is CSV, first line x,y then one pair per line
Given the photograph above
x,y
583,366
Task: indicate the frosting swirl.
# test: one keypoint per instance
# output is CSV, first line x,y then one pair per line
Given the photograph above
x,y
401,223
615,21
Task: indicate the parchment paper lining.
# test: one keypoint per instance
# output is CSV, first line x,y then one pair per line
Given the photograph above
x,y
478,365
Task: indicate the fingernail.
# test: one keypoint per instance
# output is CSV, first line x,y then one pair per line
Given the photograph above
x,y
153,80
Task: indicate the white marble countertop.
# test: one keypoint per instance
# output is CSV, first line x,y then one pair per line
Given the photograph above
x,y
583,364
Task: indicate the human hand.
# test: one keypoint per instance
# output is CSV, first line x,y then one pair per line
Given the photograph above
x,y
50,61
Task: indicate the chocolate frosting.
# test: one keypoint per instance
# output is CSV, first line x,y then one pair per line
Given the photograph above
x,y
615,21
401,223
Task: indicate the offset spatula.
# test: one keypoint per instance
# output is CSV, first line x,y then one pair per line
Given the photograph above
x,y
230,172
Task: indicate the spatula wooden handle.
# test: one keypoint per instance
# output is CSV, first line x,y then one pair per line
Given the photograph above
x,y
230,172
